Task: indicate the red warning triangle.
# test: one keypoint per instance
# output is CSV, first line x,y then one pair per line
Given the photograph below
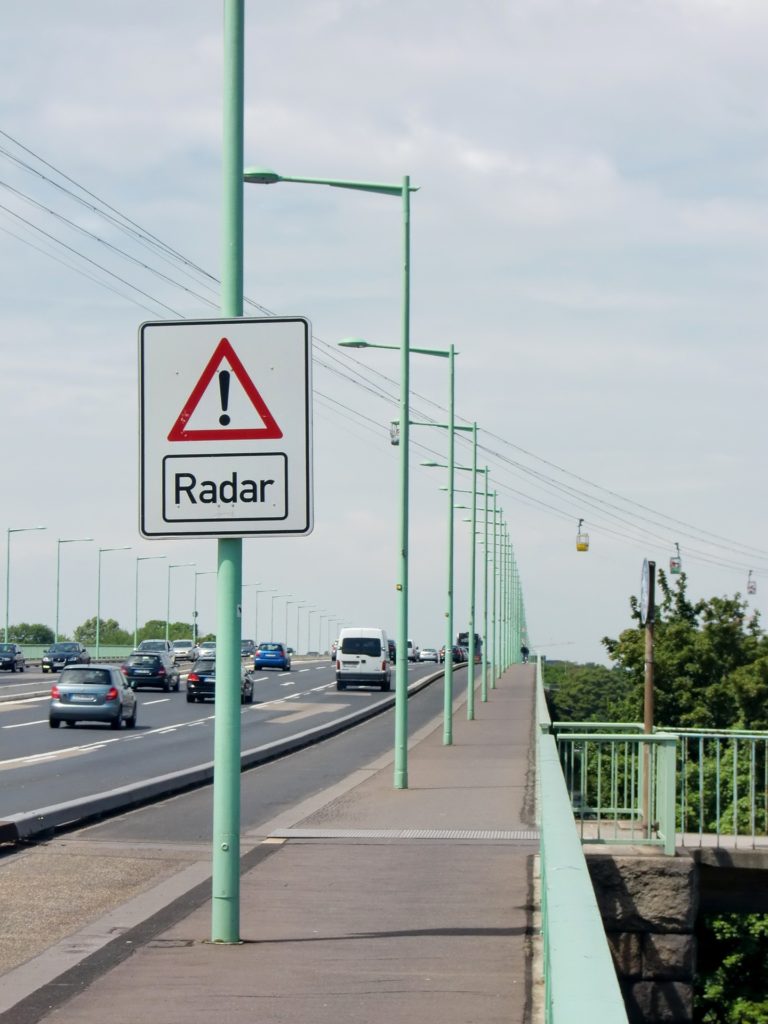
x,y
179,432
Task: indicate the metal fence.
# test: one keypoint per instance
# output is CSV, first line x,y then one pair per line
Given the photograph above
x,y
723,787
621,782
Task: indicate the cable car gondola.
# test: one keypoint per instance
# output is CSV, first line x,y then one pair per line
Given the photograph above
x,y
751,584
582,539
676,563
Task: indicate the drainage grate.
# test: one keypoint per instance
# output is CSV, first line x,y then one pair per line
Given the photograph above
x,y
507,835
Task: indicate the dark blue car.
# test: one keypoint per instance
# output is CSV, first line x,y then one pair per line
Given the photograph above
x,y
272,655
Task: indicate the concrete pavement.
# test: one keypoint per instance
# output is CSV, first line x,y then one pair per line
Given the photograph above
x,y
363,904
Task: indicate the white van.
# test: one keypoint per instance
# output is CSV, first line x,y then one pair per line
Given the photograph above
x,y
363,657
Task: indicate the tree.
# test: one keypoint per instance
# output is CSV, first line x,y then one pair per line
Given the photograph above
x,y
110,633
31,633
154,629
708,662
584,693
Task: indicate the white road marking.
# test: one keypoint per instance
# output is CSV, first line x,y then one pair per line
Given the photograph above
x,y
303,670
291,682
160,700
21,725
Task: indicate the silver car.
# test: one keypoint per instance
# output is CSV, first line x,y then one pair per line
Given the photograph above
x,y
92,693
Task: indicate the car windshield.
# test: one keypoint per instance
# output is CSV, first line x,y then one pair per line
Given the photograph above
x,y
152,645
182,643
208,645
270,647
205,665
6,648
368,645
85,677
62,648
143,659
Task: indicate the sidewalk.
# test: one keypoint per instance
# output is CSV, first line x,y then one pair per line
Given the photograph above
x,y
370,905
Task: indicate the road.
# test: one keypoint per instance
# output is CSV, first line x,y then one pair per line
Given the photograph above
x,y
42,767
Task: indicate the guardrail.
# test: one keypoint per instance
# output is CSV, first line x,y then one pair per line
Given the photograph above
x,y
621,784
723,788
580,982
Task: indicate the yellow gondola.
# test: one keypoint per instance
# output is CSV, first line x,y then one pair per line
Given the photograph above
x,y
582,539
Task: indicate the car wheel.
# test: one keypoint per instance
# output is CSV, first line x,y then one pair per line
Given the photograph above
x,y
54,722
166,687
22,667
190,698
13,667
249,699
70,724
117,723
177,687
45,670
130,723
341,686
386,685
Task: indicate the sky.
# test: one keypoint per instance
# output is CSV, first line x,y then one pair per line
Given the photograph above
x,y
590,232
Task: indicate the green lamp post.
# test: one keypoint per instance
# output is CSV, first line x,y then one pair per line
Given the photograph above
x,y
8,532
59,542
449,354
98,596
139,558
264,176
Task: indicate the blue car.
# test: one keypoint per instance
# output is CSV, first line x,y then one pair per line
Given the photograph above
x,y
272,655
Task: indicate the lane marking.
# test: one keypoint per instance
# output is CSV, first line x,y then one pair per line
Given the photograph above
x,y
160,700
22,725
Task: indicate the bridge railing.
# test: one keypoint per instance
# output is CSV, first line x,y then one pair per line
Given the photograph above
x,y
621,782
723,787
580,982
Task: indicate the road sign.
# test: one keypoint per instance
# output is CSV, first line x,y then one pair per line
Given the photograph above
x,y
225,428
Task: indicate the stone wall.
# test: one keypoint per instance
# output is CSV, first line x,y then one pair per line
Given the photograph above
x,y
649,906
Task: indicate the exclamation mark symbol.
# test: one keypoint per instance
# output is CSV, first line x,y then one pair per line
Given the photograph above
x,y
224,393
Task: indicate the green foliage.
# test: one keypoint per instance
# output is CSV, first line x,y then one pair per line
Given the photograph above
x,y
733,952
585,693
710,662
154,629
30,633
110,633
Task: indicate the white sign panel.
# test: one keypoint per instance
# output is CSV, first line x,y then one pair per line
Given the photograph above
x,y
226,428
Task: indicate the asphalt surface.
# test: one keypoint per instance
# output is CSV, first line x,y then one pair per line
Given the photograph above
x,y
359,903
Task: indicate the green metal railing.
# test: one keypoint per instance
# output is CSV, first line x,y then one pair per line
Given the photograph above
x,y
621,784
580,982
723,786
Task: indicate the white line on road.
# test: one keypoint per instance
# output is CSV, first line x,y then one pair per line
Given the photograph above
x,y
160,700
21,725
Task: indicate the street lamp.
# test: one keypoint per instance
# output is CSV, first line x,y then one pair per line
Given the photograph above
x,y
195,630
176,565
98,596
275,597
59,542
451,427
8,532
140,558
471,634
256,616
264,176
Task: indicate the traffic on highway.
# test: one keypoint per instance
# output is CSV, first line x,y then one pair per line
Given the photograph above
x,y
44,767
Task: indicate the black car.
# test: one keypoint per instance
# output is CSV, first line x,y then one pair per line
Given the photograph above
x,y
63,653
12,657
247,648
150,669
201,683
